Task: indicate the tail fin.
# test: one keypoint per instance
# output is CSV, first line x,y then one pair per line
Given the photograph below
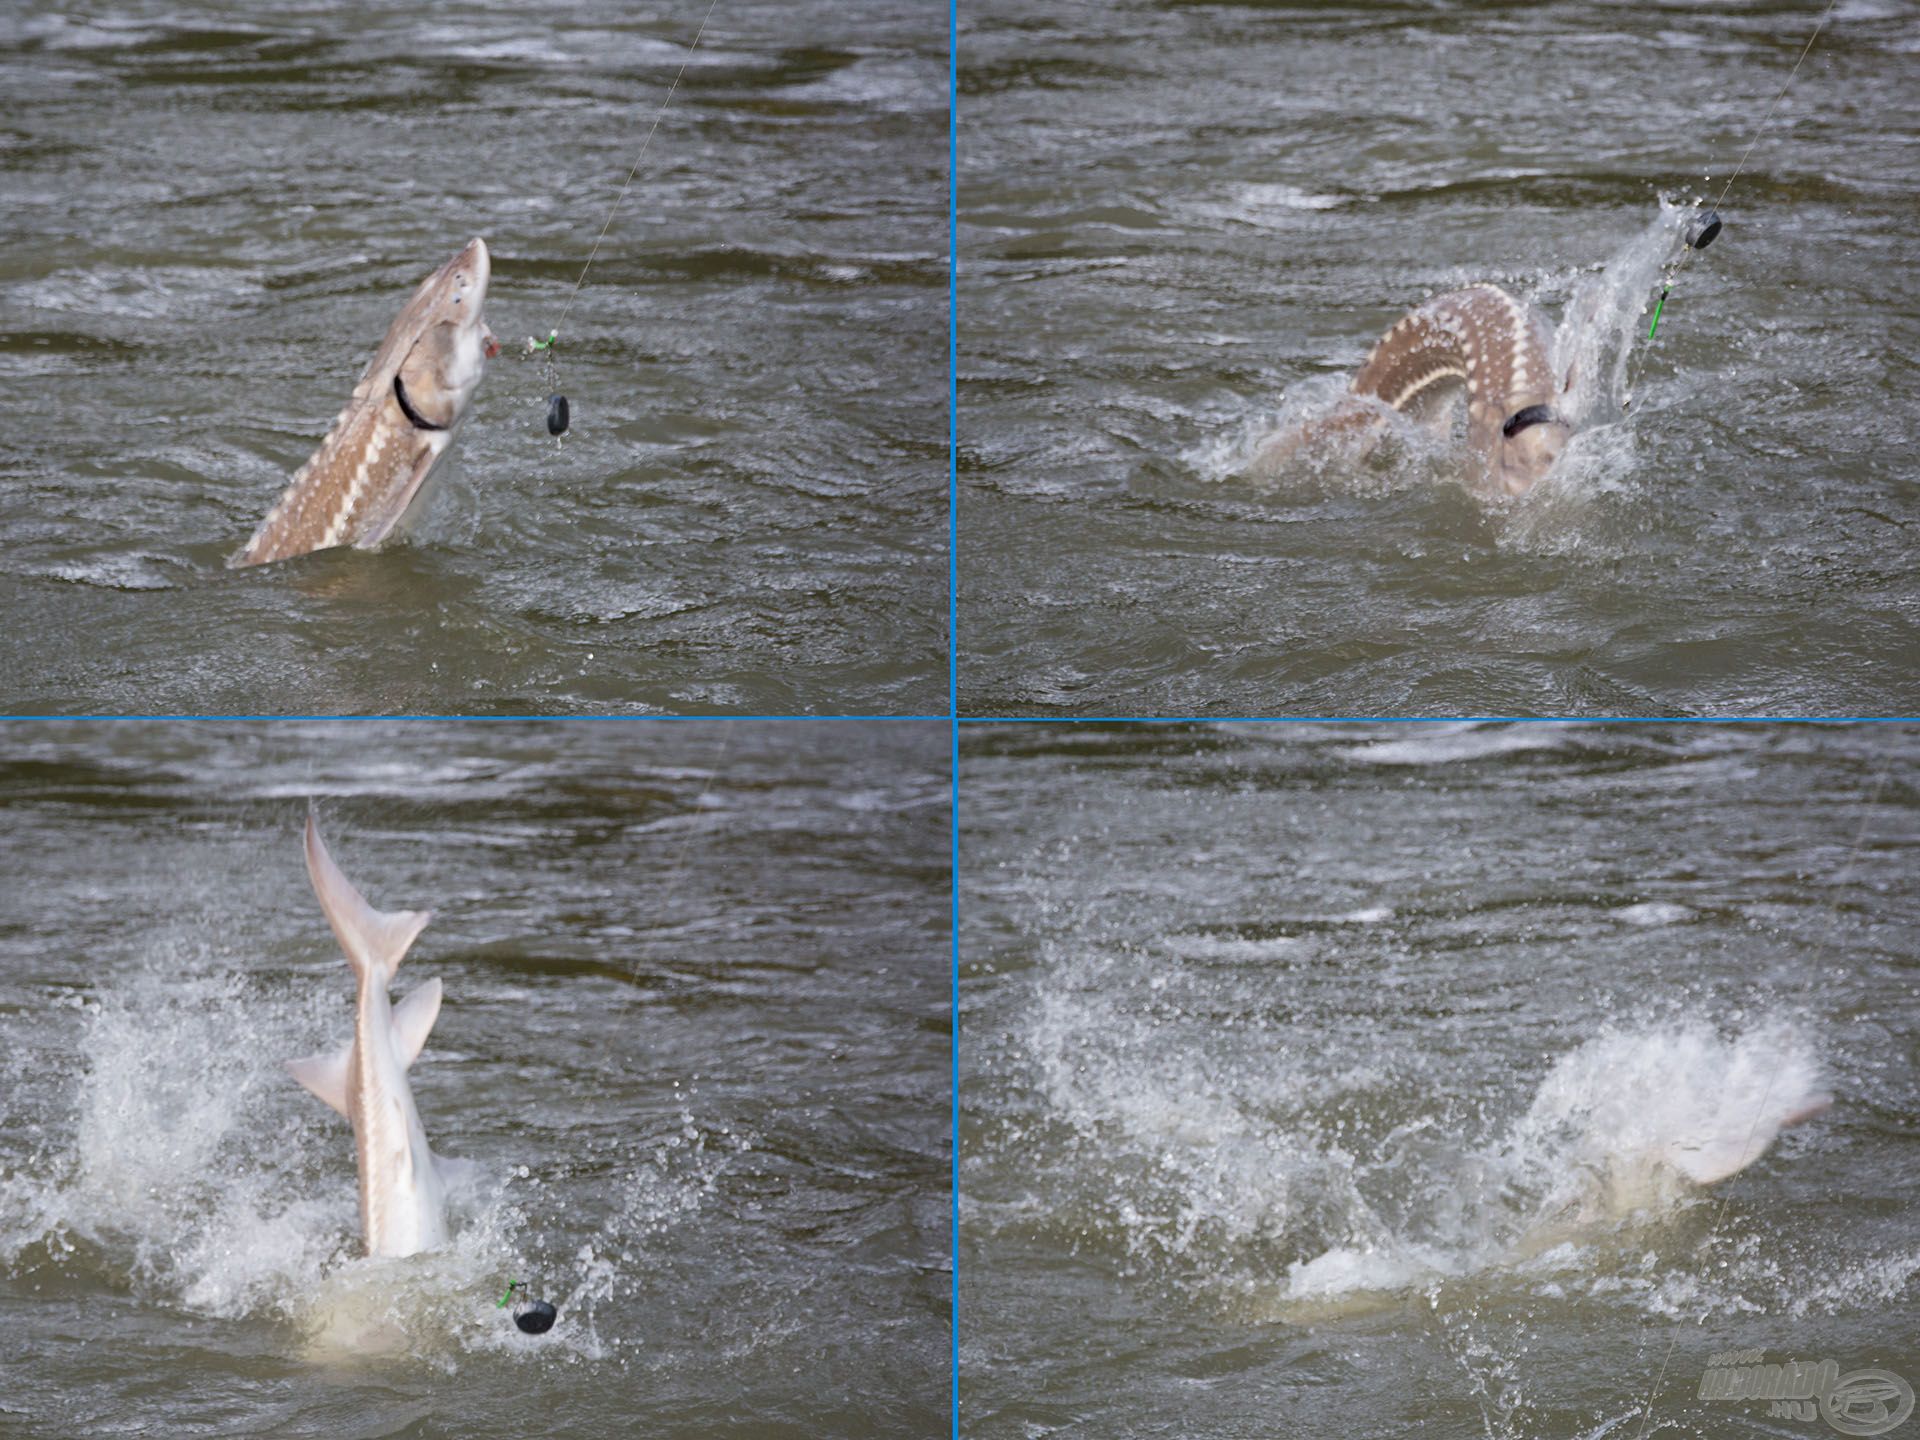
x,y
374,940
1711,1159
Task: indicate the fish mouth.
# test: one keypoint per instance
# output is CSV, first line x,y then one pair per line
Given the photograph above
x,y
1524,460
478,262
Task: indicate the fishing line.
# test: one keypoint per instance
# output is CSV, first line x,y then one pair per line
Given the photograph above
x,y
1726,1199
686,847
536,1317
557,408
1703,229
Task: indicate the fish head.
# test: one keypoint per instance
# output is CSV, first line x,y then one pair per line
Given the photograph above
x,y
453,343
1529,442
371,469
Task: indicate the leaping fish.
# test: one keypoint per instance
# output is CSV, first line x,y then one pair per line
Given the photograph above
x,y
1479,343
400,419
402,1182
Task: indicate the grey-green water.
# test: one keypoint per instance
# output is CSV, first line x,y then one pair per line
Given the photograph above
x,y
695,1030
1312,1076
209,215
1173,215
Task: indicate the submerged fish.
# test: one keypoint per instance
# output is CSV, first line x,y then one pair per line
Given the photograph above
x,y
1715,1154
402,1182
1479,344
1625,1126
369,470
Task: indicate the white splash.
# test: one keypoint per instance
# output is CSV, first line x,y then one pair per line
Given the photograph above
x,y
1628,1125
1607,316
1603,323
188,1169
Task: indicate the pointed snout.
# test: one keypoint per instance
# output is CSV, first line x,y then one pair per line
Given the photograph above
x,y
477,261
468,273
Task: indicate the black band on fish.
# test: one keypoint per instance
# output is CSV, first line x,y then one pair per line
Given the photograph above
x,y
1532,415
414,417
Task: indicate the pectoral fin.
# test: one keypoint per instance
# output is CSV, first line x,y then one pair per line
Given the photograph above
x,y
326,1075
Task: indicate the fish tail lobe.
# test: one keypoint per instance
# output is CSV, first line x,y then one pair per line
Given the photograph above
x,y
374,940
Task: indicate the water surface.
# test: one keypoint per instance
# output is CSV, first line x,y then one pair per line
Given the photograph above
x,y
694,1031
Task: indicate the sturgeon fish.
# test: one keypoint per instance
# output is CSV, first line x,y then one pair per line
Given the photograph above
x,y
367,472
1479,343
402,1182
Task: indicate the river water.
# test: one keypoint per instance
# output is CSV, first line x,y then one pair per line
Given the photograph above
x,y
209,215
1182,223
1322,1080
695,1032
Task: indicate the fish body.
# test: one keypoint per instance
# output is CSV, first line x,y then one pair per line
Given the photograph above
x,y
1499,352
1479,344
369,470
402,1182
1713,1156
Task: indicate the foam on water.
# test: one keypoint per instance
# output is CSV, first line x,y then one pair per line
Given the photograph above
x,y
105,292
1655,913
1445,744
133,571
1232,949
1264,204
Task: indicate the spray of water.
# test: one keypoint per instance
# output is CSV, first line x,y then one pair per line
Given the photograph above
x,y
1291,1186
1602,324
1606,317
184,1167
